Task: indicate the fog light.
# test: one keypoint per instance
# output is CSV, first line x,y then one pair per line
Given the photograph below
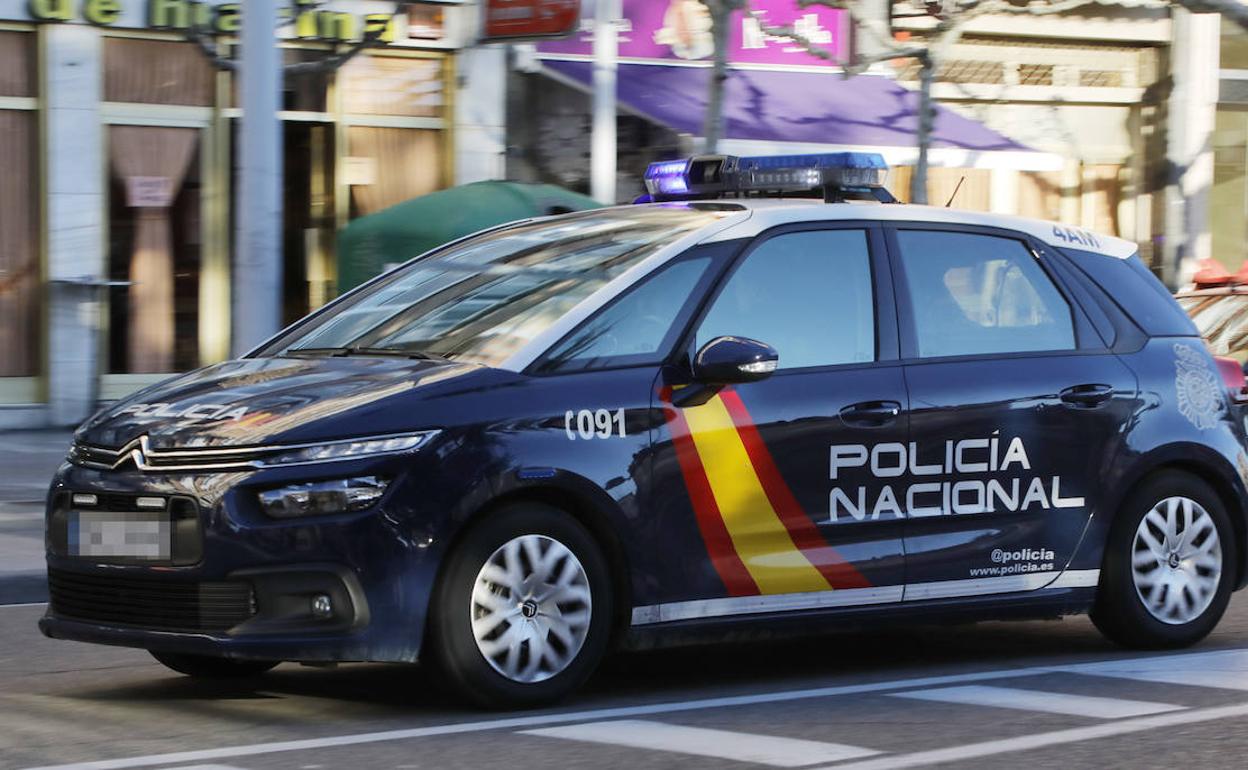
x,y
85,499
323,497
322,606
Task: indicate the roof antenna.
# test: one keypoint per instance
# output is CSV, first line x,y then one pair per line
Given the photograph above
x,y
955,191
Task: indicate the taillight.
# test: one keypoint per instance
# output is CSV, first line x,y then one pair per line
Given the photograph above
x,y
1233,377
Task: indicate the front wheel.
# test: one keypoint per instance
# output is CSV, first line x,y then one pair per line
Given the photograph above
x,y
522,615
209,667
1169,565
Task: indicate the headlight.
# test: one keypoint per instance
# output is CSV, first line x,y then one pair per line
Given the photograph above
x,y
323,497
347,450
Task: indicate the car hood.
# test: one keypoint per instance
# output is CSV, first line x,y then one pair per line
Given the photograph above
x,y
284,400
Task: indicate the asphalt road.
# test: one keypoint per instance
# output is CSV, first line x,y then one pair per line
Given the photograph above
x,y
1043,694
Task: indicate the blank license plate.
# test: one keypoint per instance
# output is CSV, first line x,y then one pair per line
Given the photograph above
x,y
112,535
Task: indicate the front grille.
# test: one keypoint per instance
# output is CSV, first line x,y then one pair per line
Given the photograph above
x,y
150,602
139,454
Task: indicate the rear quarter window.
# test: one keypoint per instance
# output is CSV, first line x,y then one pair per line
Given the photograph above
x,y
1137,291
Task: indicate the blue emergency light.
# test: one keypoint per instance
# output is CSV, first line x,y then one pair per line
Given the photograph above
x,y
837,176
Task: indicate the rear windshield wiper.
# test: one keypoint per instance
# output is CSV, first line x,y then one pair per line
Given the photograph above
x,y
346,352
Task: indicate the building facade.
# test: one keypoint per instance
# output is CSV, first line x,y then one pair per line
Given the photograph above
x,y
1098,116
118,138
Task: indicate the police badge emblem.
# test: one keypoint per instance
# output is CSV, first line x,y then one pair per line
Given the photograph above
x,y
1198,387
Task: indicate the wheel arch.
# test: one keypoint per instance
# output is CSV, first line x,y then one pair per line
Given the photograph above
x,y
585,502
1206,464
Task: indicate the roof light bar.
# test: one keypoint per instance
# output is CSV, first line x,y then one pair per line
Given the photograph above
x,y
838,175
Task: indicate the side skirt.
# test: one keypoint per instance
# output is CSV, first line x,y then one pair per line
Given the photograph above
x,y
1044,604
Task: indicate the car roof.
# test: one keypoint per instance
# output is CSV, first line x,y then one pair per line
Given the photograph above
x,y
766,213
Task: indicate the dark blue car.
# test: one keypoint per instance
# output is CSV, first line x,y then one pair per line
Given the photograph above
x,y
740,408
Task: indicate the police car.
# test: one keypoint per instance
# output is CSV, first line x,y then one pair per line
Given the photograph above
x,y
770,399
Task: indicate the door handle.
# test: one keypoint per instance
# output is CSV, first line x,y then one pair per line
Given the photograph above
x,y
1087,396
871,414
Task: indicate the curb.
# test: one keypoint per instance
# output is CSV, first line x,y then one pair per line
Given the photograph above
x,y
23,588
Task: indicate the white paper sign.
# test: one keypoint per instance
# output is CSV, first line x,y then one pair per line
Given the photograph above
x,y
149,192
359,171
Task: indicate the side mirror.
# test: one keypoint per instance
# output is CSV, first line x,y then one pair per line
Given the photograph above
x,y
734,360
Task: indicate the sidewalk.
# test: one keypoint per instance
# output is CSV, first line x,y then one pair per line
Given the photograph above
x,y
27,461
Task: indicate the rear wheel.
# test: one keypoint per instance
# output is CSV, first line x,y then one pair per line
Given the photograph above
x,y
210,667
1169,565
523,611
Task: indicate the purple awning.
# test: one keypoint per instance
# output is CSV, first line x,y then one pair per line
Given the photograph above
x,y
790,106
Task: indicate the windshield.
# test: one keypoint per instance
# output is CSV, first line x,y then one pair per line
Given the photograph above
x,y
481,300
1222,322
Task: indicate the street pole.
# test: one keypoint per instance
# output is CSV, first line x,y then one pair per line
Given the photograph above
x,y
603,142
721,14
257,273
927,114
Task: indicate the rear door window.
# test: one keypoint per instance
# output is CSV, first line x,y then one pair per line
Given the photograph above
x,y
975,294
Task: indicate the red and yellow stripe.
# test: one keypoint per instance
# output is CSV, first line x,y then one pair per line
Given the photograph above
x,y
759,539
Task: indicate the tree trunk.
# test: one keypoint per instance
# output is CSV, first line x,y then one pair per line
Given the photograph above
x,y
721,13
926,117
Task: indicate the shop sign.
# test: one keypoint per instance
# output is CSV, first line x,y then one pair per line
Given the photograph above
x,y
305,19
680,30
511,19
149,192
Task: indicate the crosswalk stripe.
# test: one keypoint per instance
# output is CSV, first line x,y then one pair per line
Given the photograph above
x,y
1226,669
1022,743
1036,700
720,744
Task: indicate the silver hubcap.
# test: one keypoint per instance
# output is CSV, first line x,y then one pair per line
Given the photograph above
x,y
1176,560
531,607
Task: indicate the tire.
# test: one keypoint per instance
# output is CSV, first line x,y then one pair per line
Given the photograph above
x,y
1159,592
210,667
536,645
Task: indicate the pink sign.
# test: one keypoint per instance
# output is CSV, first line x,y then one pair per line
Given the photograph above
x,y
676,30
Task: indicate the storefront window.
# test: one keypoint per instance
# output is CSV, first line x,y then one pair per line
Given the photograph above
x,y
157,72
20,278
391,165
426,22
1229,197
155,246
1233,53
379,85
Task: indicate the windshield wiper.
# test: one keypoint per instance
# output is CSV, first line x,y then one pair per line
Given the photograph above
x,y
346,352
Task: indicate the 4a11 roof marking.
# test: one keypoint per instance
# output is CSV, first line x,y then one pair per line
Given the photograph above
x,y
954,495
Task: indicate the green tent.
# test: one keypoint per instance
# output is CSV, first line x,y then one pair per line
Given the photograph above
x,y
392,236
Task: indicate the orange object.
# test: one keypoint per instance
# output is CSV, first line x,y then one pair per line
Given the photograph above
x,y
1242,276
1210,273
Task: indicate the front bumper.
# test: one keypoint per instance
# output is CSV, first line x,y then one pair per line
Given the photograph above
x,y
250,591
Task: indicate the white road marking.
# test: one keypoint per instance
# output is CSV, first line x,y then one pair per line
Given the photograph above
x,y
1036,700
27,604
206,767
1226,670
1042,740
720,744
1190,660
